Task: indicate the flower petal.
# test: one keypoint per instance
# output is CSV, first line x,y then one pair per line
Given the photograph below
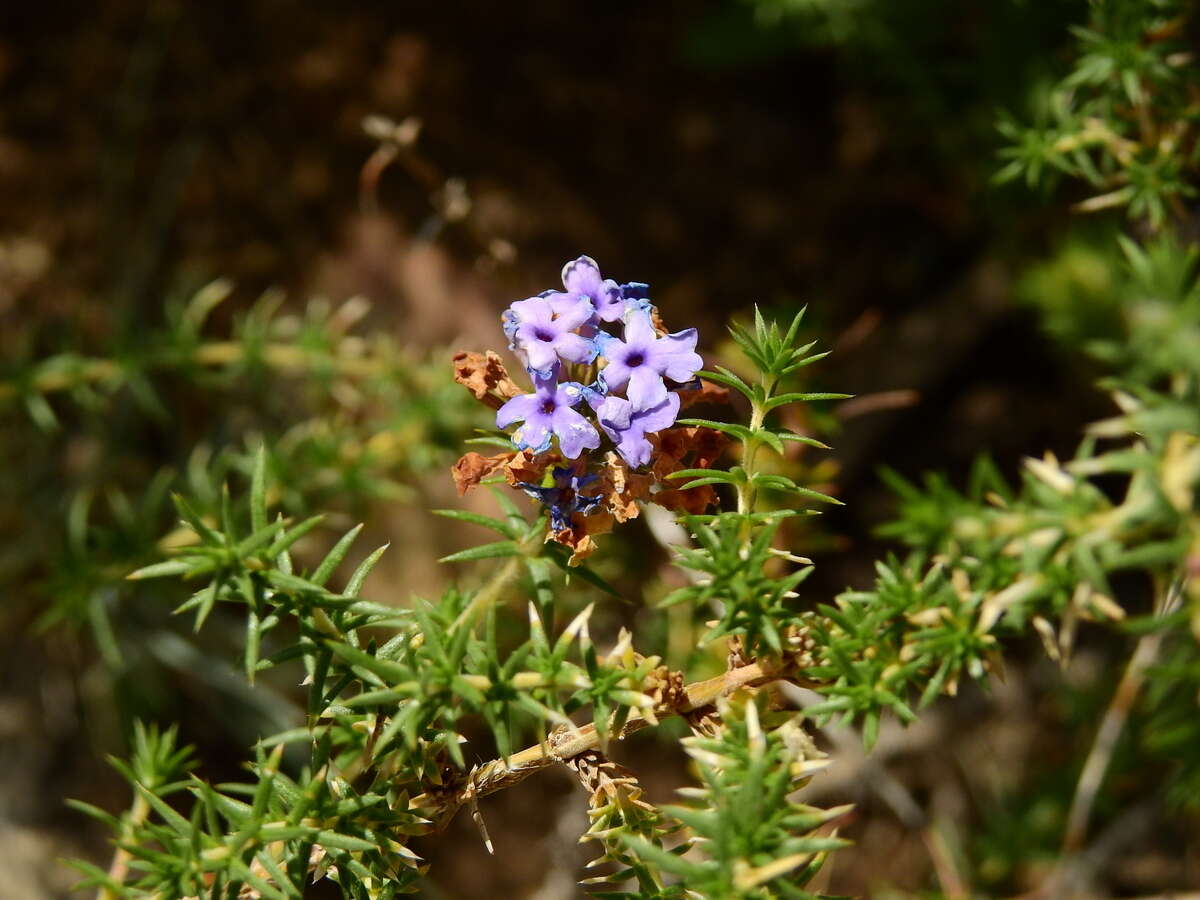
x,y
509,322
634,448
595,393
574,348
646,388
676,357
610,304
582,276
518,409
659,416
614,415
541,356
568,394
635,290
616,374
570,311
535,309
639,330
574,432
534,434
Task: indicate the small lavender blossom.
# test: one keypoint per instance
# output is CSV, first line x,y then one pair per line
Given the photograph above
x,y
564,499
645,357
650,407
547,413
582,276
542,330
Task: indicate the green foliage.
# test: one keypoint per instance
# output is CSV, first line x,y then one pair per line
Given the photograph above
x,y
757,842
386,715
401,699
876,647
753,604
1170,728
265,842
1123,119
1139,314
350,420
385,721
736,557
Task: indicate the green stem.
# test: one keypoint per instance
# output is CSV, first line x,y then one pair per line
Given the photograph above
x,y
747,494
118,869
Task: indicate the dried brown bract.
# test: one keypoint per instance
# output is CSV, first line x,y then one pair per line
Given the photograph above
x,y
708,393
527,467
518,467
686,448
473,467
621,488
485,376
605,780
580,537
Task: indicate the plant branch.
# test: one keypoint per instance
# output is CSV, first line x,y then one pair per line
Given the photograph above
x,y
565,743
285,358
119,867
1094,768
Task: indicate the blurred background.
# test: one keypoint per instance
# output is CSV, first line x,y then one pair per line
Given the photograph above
x,y
192,189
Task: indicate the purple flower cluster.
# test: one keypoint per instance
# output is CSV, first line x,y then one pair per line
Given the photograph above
x,y
628,380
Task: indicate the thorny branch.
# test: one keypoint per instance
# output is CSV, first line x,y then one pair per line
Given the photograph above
x,y
565,743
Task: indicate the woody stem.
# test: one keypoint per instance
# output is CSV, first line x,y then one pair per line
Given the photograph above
x,y
568,742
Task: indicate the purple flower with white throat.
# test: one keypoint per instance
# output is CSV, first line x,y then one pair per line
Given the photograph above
x,y
645,358
650,407
582,276
542,330
547,413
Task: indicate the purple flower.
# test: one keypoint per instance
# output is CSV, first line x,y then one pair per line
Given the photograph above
x,y
541,330
645,357
564,499
637,297
650,407
547,412
582,276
